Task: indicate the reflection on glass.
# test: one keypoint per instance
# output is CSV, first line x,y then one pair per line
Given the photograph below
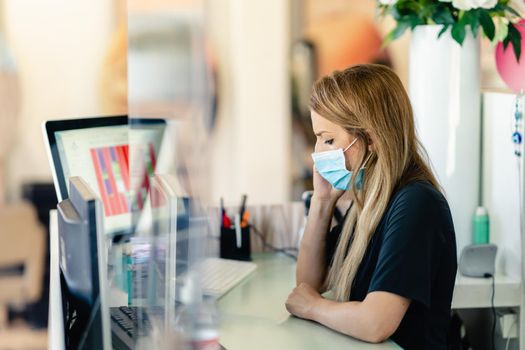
x,y
168,78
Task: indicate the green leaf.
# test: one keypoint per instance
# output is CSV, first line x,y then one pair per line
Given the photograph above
x,y
471,18
512,11
498,10
395,33
506,41
442,31
442,16
396,14
414,21
405,7
487,24
475,22
458,32
409,6
515,39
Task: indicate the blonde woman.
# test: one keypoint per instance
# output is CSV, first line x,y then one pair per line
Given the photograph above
x,y
391,266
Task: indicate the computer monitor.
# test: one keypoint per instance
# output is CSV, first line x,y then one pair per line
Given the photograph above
x,y
115,155
82,269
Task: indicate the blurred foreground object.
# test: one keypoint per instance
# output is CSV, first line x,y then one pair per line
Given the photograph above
x,y
22,247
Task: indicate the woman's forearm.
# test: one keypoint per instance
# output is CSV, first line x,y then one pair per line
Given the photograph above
x,y
348,318
311,266
373,320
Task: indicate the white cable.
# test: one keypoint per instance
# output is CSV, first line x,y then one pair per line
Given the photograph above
x,y
510,330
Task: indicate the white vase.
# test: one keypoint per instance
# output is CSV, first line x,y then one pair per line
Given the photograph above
x,y
444,85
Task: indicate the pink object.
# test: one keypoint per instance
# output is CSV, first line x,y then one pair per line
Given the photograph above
x,y
509,69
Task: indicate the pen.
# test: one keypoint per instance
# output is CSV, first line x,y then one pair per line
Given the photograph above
x,y
238,230
225,220
243,206
245,217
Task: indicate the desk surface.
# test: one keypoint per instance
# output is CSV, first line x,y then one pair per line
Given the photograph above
x,y
477,292
254,315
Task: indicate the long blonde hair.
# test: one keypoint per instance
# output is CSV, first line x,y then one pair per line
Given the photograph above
x,y
370,102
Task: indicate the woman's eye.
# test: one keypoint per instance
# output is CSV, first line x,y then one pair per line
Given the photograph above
x,y
329,142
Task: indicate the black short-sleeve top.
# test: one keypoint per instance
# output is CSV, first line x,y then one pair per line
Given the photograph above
x,y
412,254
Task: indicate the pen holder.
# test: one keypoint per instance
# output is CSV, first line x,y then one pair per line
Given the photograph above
x,y
228,246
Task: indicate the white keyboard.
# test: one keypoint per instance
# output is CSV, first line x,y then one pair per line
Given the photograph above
x,y
221,275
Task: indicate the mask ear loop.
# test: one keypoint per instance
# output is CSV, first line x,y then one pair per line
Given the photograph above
x,y
350,145
366,161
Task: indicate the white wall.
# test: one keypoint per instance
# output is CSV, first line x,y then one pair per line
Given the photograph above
x,y
251,147
500,180
58,46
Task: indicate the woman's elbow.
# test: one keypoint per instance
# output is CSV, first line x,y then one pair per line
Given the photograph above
x,y
382,316
378,337
380,332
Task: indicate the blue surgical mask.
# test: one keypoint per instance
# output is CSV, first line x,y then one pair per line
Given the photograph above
x,y
332,167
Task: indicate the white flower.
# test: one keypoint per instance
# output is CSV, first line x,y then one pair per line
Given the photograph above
x,y
387,2
473,4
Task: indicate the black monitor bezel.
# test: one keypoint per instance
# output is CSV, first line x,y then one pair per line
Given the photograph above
x,y
53,126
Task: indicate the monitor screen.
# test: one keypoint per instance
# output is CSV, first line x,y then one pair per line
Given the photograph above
x,y
117,161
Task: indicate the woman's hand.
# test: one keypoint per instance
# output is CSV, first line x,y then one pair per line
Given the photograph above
x,y
302,300
323,190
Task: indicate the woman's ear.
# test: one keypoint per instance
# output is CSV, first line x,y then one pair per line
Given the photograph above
x,y
369,140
